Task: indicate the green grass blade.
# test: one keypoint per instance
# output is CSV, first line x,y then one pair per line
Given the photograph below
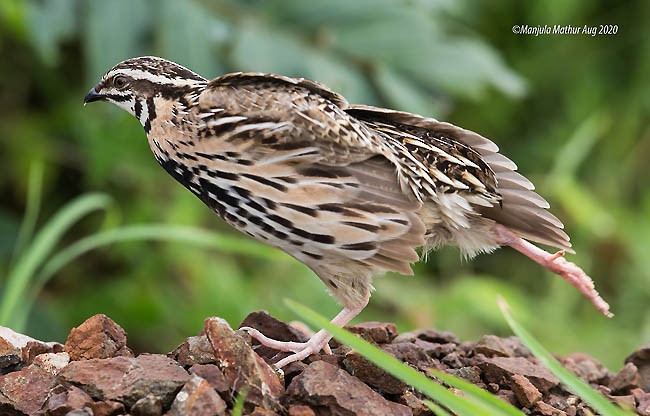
x,y
19,277
575,384
32,208
437,410
465,406
238,407
478,393
156,232
150,232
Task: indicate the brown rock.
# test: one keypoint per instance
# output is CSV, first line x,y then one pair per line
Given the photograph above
x,y
197,398
376,332
417,406
10,357
586,367
372,375
470,373
260,411
525,392
493,346
52,362
97,337
148,405
301,410
548,410
107,408
429,334
500,369
507,396
18,350
242,366
336,392
454,359
125,379
211,374
25,391
195,350
435,349
641,359
626,379
413,355
272,328
62,400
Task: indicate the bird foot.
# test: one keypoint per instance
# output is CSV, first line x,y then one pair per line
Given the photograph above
x,y
557,264
300,350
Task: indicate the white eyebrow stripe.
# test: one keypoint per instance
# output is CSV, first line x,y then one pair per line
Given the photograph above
x,y
158,79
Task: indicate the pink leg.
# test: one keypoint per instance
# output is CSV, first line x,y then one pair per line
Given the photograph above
x,y
555,263
317,342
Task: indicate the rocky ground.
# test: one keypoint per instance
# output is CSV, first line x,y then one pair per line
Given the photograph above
x,y
95,373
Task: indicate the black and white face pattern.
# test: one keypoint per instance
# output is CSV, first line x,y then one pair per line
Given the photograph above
x,y
134,84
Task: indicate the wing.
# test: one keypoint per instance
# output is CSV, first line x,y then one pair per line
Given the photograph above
x,y
290,159
510,197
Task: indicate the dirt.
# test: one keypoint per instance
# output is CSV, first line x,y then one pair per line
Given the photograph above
x,y
95,373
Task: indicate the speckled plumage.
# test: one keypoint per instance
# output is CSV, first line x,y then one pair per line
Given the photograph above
x,y
349,190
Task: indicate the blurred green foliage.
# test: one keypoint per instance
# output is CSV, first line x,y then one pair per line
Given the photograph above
x,y
572,111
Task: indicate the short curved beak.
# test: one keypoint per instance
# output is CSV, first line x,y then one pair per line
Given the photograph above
x,y
92,95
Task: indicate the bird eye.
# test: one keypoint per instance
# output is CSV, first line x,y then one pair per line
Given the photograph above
x,y
120,81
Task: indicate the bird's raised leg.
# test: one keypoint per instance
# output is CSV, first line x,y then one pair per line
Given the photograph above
x,y
302,350
555,263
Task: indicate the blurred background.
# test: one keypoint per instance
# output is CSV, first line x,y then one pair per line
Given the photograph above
x,y
572,111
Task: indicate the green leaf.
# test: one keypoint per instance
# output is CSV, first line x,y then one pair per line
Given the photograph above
x,y
32,207
465,406
19,277
575,384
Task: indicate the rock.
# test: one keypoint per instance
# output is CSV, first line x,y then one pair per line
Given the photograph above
x,y
272,328
26,390
641,359
260,411
148,405
417,406
493,346
507,396
376,332
524,391
372,375
107,408
548,410
52,362
642,401
81,412
211,374
429,334
470,373
413,355
97,337
18,350
62,400
627,378
586,367
197,398
126,379
454,360
435,349
11,357
301,410
499,369
335,392
195,350
242,367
